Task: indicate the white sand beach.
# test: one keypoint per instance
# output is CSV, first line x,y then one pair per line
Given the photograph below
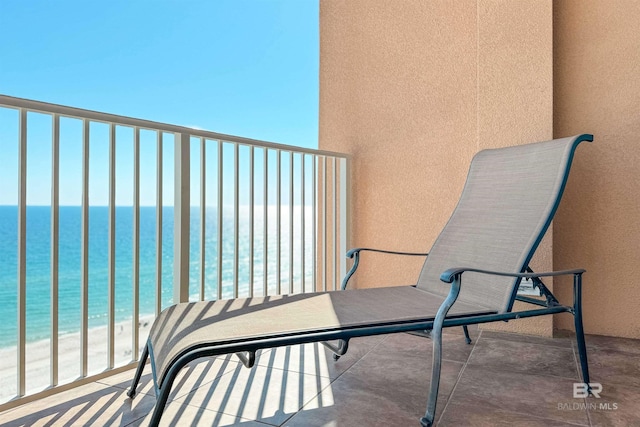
x,y
38,363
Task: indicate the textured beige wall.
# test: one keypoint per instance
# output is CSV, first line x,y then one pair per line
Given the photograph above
x,y
515,101
388,96
412,90
597,90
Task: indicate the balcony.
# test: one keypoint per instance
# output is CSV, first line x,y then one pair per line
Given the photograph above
x,y
231,217
501,379
139,215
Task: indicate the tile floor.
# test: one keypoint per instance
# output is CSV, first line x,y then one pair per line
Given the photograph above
x,y
499,380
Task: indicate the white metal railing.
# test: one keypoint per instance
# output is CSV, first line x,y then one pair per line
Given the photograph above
x,y
312,224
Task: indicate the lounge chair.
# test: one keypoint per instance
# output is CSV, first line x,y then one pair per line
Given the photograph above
x,y
470,276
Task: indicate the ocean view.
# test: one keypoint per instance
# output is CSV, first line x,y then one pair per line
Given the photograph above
x,y
38,263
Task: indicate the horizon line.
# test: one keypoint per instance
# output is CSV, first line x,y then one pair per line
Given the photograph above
x,y
149,206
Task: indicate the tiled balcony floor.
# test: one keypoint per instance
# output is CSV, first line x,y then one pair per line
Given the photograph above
x,y
499,380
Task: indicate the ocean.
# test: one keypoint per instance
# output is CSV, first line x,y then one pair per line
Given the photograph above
x,y
38,262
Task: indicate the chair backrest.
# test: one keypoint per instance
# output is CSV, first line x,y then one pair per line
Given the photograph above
x,y
506,206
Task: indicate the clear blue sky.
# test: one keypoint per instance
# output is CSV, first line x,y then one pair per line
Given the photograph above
x,y
241,67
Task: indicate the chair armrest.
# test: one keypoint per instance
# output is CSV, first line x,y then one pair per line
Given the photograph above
x,y
450,274
355,253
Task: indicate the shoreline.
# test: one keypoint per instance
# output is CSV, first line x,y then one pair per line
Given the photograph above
x,y
118,325
37,355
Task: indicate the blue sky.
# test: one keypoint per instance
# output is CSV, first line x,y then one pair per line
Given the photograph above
x,y
242,67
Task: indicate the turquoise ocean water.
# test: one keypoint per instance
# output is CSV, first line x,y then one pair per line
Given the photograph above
x,y
38,263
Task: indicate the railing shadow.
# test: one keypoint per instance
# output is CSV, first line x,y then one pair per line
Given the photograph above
x,y
210,391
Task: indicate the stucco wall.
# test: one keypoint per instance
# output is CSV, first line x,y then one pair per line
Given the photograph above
x,y
597,89
388,96
412,90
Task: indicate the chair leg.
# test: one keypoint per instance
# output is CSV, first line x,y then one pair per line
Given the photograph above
x,y
162,393
436,336
340,350
136,378
582,351
158,410
467,338
577,317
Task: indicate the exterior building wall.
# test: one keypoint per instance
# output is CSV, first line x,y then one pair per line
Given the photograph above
x,y
413,89
597,90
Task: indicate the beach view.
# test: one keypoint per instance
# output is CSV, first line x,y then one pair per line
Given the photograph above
x,y
38,282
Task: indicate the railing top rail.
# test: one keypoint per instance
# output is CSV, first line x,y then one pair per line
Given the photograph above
x,y
62,110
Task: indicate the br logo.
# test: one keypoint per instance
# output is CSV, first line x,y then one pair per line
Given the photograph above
x,y
581,390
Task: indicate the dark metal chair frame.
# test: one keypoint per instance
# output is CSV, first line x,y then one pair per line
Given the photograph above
x,y
246,349
454,276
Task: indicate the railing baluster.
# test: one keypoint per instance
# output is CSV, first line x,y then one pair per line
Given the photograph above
x,y
111,291
219,255
22,250
324,223
303,214
278,220
291,222
203,212
135,338
159,153
334,225
265,217
251,219
181,217
84,253
344,216
314,221
55,243
236,214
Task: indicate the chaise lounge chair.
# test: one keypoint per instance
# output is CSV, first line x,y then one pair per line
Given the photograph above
x,y
470,276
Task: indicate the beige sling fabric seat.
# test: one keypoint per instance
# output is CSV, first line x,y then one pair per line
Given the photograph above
x,y
471,275
186,326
